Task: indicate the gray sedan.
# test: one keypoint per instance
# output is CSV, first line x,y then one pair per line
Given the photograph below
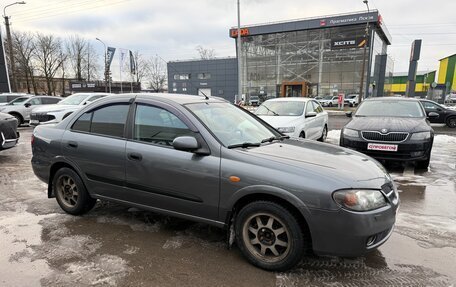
x,y
207,160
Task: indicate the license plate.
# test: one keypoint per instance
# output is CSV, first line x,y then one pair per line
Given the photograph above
x,y
34,122
382,147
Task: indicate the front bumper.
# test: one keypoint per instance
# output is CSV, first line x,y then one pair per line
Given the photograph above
x,y
406,151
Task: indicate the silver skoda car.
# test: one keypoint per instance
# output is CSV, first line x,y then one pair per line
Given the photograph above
x,y
206,160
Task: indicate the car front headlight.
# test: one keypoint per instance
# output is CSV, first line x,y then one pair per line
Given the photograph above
x,y
360,199
286,129
420,136
351,133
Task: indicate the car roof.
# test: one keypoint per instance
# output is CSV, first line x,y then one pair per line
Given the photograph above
x,y
291,99
391,98
177,98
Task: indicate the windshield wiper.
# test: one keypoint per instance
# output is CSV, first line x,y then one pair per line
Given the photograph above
x,y
279,138
244,145
274,113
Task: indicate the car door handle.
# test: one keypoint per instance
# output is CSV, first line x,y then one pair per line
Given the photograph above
x,y
135,156
73,144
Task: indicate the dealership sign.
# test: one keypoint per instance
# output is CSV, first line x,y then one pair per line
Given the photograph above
x,y
348,43
244,32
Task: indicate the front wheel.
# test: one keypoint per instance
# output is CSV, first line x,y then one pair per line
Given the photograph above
x,y
71,193
269,236
451,122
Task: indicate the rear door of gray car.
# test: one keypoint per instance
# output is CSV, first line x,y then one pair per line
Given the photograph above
x,y
160,176
95,143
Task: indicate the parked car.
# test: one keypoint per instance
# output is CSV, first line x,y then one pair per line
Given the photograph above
x,y
445,115
56,113
21,107
451,98
254,100
394,129
5,98
351,100
8,131
206,160
329,101
295,117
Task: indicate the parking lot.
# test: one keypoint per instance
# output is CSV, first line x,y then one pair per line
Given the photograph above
x,y
115,245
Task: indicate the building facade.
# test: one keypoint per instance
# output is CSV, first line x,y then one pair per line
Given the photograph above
x,y
423,83
447,73
214,77
315,57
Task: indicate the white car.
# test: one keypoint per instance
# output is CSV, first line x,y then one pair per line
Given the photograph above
x,y
21,107
329,101
56,113
5,98
296,117
351,100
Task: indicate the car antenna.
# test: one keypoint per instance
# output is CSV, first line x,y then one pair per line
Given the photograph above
x,y
205,96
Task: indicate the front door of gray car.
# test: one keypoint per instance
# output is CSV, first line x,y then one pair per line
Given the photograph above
x,y
96,145
160,176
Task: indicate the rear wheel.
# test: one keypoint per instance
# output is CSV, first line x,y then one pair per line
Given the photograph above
x,y
302,135
269,236
71,193
324,134
451,122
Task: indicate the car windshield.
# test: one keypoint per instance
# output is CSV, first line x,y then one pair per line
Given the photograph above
x,y
351,97
281,108
390,108
18,101
74,99
230,125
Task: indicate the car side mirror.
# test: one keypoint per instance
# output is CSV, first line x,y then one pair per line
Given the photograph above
x,y
27,105
311,114
433,115
186,143
349,114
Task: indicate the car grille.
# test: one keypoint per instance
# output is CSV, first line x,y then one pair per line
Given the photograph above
x,y
388,137
41,117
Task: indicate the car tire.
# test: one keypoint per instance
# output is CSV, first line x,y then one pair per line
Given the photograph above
x,y
302,135
70,192
451,122
269,236
330,105
324,134
19,118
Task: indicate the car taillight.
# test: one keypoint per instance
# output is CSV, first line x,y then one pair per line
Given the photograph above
x,y
32,139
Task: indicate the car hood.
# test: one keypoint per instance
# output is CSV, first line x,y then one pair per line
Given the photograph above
x,y
280,121
4,116
52,108
389,123
325,160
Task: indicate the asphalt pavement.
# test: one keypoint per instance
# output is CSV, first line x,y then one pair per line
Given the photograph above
x,y
114,245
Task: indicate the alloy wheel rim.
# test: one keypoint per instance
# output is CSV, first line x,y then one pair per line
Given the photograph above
x,y
68,191
452,123
266,237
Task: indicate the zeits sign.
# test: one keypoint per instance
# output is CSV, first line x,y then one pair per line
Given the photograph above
x,y
347,43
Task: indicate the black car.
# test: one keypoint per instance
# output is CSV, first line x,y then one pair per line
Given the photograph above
x,y
446,116
391,129
8,131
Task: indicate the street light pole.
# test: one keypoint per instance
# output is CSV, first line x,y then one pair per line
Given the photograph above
x,y
10,46
366,33
239,52
106,73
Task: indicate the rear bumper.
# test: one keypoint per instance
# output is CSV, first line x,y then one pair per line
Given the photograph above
x,y
406,151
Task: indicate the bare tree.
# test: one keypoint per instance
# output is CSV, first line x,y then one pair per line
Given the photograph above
x,y
91,63
48,55
142,67
205,53
24,47
157,74
82,58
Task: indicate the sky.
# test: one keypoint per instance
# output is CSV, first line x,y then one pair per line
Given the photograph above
x,y
173,29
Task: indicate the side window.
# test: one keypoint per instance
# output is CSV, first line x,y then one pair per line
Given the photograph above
x,y
309,107
158,126
429,106
110,120
83,123
3,99
50,101
35,101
